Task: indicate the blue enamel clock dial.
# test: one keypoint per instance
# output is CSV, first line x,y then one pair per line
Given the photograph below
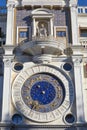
x,y
43,92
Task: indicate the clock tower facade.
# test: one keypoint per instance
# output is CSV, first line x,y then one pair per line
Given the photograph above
x,y
45,67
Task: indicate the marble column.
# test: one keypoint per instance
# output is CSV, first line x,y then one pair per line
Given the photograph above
x,y
51,26
78,66
74,24
10,24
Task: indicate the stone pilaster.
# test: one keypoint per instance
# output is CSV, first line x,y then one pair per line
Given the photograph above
x,y
6,100
74,24
10,23
77,60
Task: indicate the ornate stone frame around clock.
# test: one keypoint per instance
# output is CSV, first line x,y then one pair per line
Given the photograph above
x,y
37,116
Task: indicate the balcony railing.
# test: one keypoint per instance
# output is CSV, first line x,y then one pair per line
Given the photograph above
x,y
83,41
48,38
51,39
82,10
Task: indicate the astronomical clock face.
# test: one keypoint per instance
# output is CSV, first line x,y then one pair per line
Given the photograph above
x,y
42,93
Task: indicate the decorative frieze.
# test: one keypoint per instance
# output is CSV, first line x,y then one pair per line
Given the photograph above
x,y
78,71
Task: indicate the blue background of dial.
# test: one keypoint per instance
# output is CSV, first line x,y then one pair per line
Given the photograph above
x,y
43,91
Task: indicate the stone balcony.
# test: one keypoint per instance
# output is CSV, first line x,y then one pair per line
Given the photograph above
x,y
42,45
48,39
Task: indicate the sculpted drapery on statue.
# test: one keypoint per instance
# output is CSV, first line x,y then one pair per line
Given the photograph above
x,y
41,30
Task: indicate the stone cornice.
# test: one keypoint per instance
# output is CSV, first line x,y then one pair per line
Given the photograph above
x,y
19,3
11,125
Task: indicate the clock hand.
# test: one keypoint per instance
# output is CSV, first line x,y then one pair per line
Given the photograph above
x,y
35,104
38,86
43,92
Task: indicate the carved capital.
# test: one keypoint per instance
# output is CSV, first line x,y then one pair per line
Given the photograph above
x,y
73,3
8,60
18,3
77,60
73,8
10,6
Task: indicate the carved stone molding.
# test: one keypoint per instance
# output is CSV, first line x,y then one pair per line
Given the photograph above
x,y
42,58
8,49
45,2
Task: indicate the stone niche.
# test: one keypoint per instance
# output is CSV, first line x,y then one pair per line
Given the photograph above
x,y
42,22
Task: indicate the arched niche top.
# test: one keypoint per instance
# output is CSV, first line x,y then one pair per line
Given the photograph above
x,y
41,11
